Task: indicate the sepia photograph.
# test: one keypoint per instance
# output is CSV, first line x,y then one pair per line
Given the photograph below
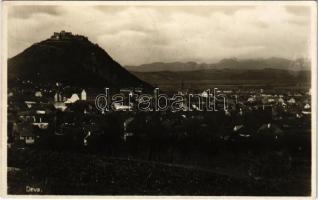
x,y
150,98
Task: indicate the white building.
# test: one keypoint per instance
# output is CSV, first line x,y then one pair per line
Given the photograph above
x,y
58,97
38,94
83,95
291,101
60,106
29,104
73,98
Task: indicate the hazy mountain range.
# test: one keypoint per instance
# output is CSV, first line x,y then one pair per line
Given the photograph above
x,y
228,63
229,72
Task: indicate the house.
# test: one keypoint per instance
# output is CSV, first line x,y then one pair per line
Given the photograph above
x,y
41,112
204,94
38,94
73,98
60,106
307,106
251,99
227,91
40,122
281,100
119,107
306,110
29,104
25,132
309,92
291,101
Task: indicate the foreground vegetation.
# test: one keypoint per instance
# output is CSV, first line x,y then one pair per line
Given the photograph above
x,y
69,173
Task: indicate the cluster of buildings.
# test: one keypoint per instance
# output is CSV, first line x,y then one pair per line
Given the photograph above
x,y
32,110
36,111
291,101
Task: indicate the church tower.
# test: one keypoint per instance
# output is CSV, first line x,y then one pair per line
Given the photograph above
x,y
83,95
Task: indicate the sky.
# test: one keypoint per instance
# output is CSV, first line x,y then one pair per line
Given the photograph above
x,y
140,34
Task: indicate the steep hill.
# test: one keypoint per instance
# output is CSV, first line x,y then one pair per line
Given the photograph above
x,y
72,60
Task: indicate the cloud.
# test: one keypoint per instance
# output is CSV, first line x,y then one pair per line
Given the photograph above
x,y
298,10
141,34
27,11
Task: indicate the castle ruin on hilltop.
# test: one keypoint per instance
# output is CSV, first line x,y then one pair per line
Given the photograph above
x,y
63,35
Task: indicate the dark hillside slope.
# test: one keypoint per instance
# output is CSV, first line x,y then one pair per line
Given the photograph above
x,y
72,60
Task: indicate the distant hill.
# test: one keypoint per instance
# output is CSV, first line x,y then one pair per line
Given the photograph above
x,y
72,60
228,63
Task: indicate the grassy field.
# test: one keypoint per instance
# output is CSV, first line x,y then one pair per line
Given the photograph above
x,y
65,173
